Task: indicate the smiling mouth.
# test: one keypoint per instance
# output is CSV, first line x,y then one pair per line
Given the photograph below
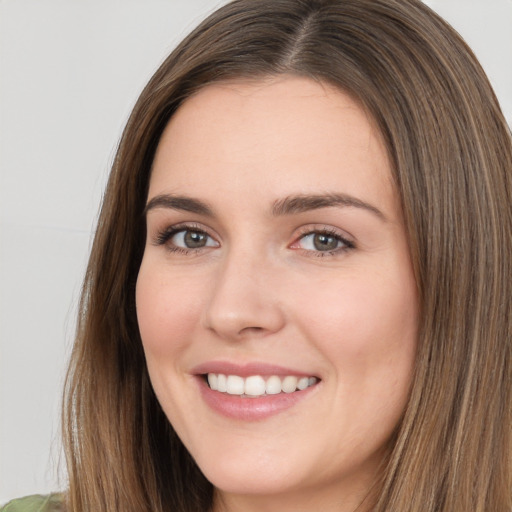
x,y
256,386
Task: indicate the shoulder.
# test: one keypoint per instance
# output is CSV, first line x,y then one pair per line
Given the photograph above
x,y
36,503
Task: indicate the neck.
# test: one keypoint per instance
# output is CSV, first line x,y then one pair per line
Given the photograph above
x,y
335,499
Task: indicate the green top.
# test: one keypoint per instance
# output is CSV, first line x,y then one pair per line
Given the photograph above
x,y
36,503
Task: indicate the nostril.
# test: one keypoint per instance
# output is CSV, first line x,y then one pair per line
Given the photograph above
x,y
252,331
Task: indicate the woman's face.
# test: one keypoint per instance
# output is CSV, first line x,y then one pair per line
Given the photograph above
x,y
277,265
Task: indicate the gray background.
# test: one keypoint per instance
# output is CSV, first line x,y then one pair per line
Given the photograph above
x,y
70,70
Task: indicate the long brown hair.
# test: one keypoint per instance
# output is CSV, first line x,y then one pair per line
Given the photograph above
x,y
451,152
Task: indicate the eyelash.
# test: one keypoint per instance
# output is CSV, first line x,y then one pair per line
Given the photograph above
x,y
347,245
164,236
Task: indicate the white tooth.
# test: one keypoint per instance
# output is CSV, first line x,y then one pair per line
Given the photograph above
x,y
221,383
235,385
303,383
273,385
289,384
254,385
212,380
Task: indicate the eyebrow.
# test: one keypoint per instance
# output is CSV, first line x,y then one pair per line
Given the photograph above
x,y
285,206
303,203
184,203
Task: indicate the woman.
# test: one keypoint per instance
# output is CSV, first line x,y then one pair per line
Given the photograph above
x,y
310,211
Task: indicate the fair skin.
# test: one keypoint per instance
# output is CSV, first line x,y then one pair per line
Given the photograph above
x,y
239,279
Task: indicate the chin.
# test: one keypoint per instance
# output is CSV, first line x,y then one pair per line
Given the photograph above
x,y
234,476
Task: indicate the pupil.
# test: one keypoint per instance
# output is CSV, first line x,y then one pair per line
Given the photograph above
x,y
194,239
325,242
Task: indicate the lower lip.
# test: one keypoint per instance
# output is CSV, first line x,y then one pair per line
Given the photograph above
x,y
248,408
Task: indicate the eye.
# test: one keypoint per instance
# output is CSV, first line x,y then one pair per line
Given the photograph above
x,y
192,239
322,242
184,239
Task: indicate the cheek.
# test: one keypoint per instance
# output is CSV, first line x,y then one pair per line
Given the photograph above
x,y
366,326
165,315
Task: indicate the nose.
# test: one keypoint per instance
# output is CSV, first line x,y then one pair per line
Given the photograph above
x,y
244,299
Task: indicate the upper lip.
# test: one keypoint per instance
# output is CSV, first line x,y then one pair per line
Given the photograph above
x,y
247,369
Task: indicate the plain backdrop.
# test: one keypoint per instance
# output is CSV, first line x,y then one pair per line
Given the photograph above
x,y
70,71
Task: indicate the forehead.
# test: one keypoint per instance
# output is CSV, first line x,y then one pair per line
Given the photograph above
x,y
276,137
